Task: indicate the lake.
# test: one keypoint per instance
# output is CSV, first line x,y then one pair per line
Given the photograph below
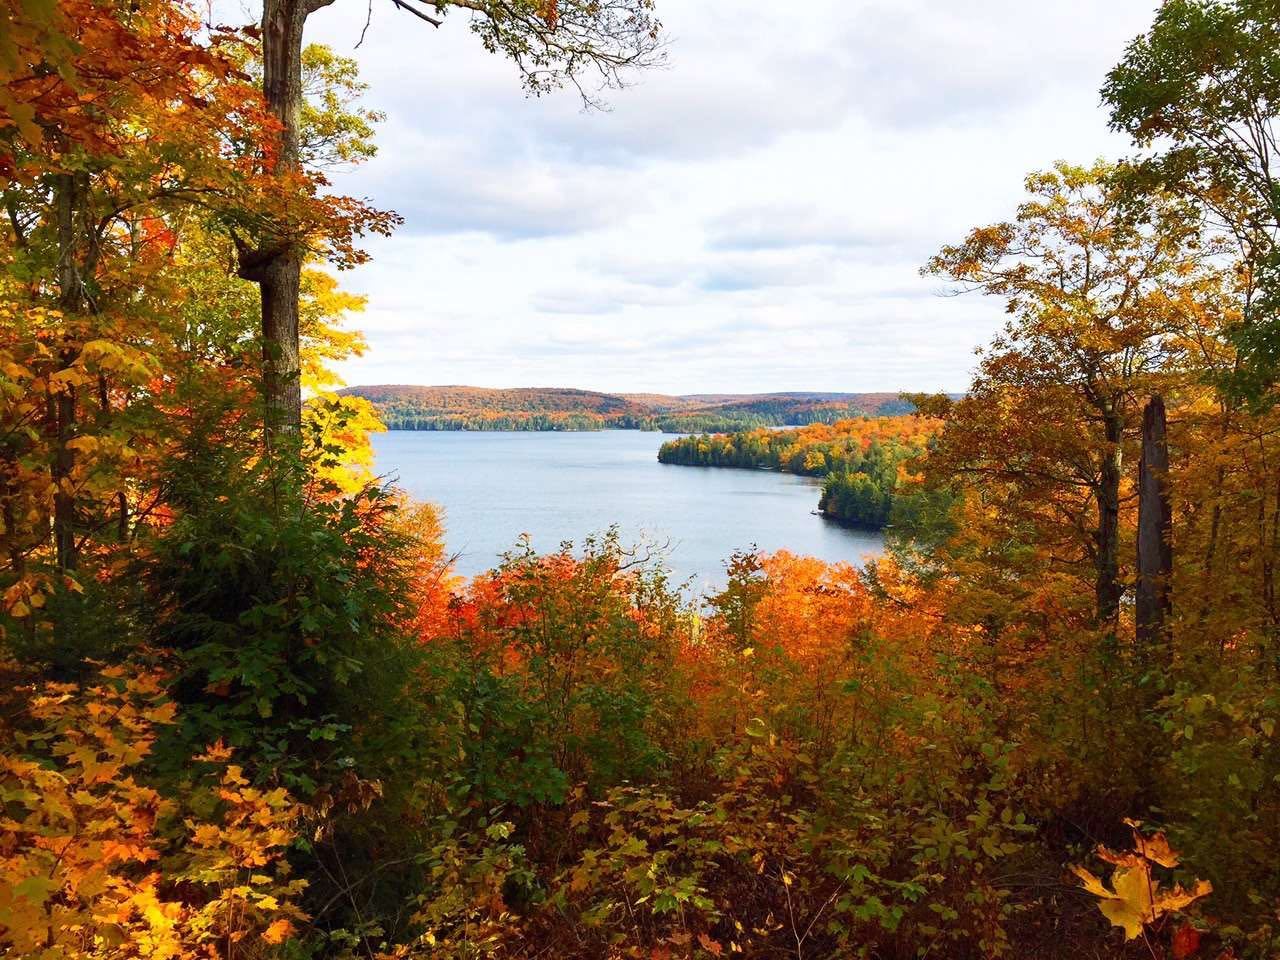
x,y
563,486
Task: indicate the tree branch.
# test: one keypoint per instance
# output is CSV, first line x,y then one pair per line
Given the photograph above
x,y
417,13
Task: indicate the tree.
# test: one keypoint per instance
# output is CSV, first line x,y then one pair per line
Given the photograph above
x,y
550,42
1094,284
1205,80
1155,527
104,149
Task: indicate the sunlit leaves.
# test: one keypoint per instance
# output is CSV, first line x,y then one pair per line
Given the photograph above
x,y
1136,898
87,850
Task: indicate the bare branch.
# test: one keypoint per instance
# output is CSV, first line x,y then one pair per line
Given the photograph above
x,y
410,9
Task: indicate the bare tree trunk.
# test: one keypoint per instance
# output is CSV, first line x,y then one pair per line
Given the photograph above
x,y
276,264
1155,528
1107,589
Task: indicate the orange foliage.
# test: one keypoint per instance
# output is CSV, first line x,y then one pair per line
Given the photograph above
x,y
92,858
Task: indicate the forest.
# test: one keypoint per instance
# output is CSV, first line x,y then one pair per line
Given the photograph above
x,y
863,462
248,711
477,408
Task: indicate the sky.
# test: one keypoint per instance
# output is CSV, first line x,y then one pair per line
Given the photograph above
x,y
750,217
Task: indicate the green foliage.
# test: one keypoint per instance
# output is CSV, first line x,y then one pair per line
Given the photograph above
x,y
277,609
334,128
856,499
1221,775
1204,83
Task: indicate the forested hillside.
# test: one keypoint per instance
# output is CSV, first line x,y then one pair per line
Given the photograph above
x,y
478,408
248,712
864,461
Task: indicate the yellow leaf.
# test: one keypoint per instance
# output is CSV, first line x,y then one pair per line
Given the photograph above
x,y
1092,884
1131,906
1179,897
1156,849
85,444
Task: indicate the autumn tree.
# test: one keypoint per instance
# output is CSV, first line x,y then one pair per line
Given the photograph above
x,y
1094,285
104,146
1202,86
585,43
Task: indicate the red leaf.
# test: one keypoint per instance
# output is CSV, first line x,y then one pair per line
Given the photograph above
x,y
709,945
1186,941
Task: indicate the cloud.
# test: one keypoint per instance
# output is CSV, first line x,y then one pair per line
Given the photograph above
x,y
759,272
785,227
751,217
574,302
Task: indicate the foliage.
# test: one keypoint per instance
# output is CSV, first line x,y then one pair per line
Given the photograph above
x,y
569,756
1204,83
862,460
1135,898
97,863
475,408
560,671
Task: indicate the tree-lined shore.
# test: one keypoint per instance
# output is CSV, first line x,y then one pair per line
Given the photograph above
x,y
403,407
248,710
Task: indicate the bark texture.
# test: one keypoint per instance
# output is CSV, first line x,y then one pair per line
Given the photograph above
x,y
1155,526
1107,537
276,263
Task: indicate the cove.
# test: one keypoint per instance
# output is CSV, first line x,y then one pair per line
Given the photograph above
x,y
558,486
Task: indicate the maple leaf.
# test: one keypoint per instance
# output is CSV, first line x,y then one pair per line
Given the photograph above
x,y
1135,898
1130,906
278,932
1179,897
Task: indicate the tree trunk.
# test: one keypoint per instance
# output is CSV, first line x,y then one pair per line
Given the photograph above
x,y
1107,589
64,506
279,284
1155,528
70,194
276,264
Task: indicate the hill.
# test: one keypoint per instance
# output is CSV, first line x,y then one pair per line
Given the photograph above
x,y
455,407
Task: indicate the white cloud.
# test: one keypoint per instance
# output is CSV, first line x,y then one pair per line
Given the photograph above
x,y
751,217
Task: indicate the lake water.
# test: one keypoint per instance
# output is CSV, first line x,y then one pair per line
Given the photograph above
x,y
563,486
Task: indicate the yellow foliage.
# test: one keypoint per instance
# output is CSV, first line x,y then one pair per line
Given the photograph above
x,y
1136,898
83,838
324,340
337,431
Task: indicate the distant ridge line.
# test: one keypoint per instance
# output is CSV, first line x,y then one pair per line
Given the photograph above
x,y
460,407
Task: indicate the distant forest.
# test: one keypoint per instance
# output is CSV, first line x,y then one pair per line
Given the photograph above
x,y
404,407
861,460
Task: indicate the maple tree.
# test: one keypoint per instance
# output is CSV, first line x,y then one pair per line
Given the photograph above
x,y
1099,291
247,708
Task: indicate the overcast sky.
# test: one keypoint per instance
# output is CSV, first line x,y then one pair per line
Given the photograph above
x,y
752,217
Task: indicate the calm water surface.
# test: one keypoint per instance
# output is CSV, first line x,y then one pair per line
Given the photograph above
x,y
563,486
